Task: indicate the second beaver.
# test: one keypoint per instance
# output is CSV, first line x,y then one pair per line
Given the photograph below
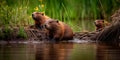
x,y
58,30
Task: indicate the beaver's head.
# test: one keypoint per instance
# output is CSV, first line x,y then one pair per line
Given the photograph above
x,y
52,25
99,23
38,16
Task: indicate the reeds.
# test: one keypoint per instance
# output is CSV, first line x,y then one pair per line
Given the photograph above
x,y
73,12
13,16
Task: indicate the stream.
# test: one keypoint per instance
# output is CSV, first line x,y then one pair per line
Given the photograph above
x,y
39,50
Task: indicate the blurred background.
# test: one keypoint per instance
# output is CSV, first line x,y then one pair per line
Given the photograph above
x,y
79,14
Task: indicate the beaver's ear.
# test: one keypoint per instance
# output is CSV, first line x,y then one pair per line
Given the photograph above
x,y
42,13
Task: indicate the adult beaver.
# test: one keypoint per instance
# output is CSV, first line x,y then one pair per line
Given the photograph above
x,y
40,18
58,30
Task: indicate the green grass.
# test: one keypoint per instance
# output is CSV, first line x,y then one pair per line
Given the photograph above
x,y
6,33
22,33
18,12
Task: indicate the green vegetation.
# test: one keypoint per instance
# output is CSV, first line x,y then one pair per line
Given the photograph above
x,y
13,16
77,13
6,33
21,33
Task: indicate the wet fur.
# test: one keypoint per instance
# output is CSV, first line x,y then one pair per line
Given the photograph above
x,y
59,30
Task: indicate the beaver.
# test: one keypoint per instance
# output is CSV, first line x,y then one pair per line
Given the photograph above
x,y
58,30
39,18
101,24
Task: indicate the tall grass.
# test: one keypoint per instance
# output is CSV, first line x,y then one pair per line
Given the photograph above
x,y
18,12
13,16
70,11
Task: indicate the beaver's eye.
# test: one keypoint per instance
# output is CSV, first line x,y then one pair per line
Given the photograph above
x,y
42,14
50,22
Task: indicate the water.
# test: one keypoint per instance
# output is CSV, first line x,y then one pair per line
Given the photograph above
x,y
58,51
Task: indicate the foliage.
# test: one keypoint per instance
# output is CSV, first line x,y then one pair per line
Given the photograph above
x,y
14,16
18,12
21,33
6,33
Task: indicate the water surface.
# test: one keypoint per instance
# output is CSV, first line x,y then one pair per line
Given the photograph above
x,y
59,51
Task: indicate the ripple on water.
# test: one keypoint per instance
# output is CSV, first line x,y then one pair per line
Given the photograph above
x,y
80,41
35,42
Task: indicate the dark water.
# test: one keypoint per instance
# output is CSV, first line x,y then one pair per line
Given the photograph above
x,y
59,51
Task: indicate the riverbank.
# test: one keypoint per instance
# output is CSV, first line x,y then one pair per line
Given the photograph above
x,y
37,35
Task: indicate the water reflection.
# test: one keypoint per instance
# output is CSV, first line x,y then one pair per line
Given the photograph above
x,y
59,51
16,52
109,51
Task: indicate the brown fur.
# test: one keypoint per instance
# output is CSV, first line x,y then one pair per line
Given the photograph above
x,y
100,24
111,33
40,18
58,30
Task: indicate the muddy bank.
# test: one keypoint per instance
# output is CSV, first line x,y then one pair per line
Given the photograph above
x,y
39,35
86,35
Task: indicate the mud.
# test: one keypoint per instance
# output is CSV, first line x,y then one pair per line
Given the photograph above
x,y
40,35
